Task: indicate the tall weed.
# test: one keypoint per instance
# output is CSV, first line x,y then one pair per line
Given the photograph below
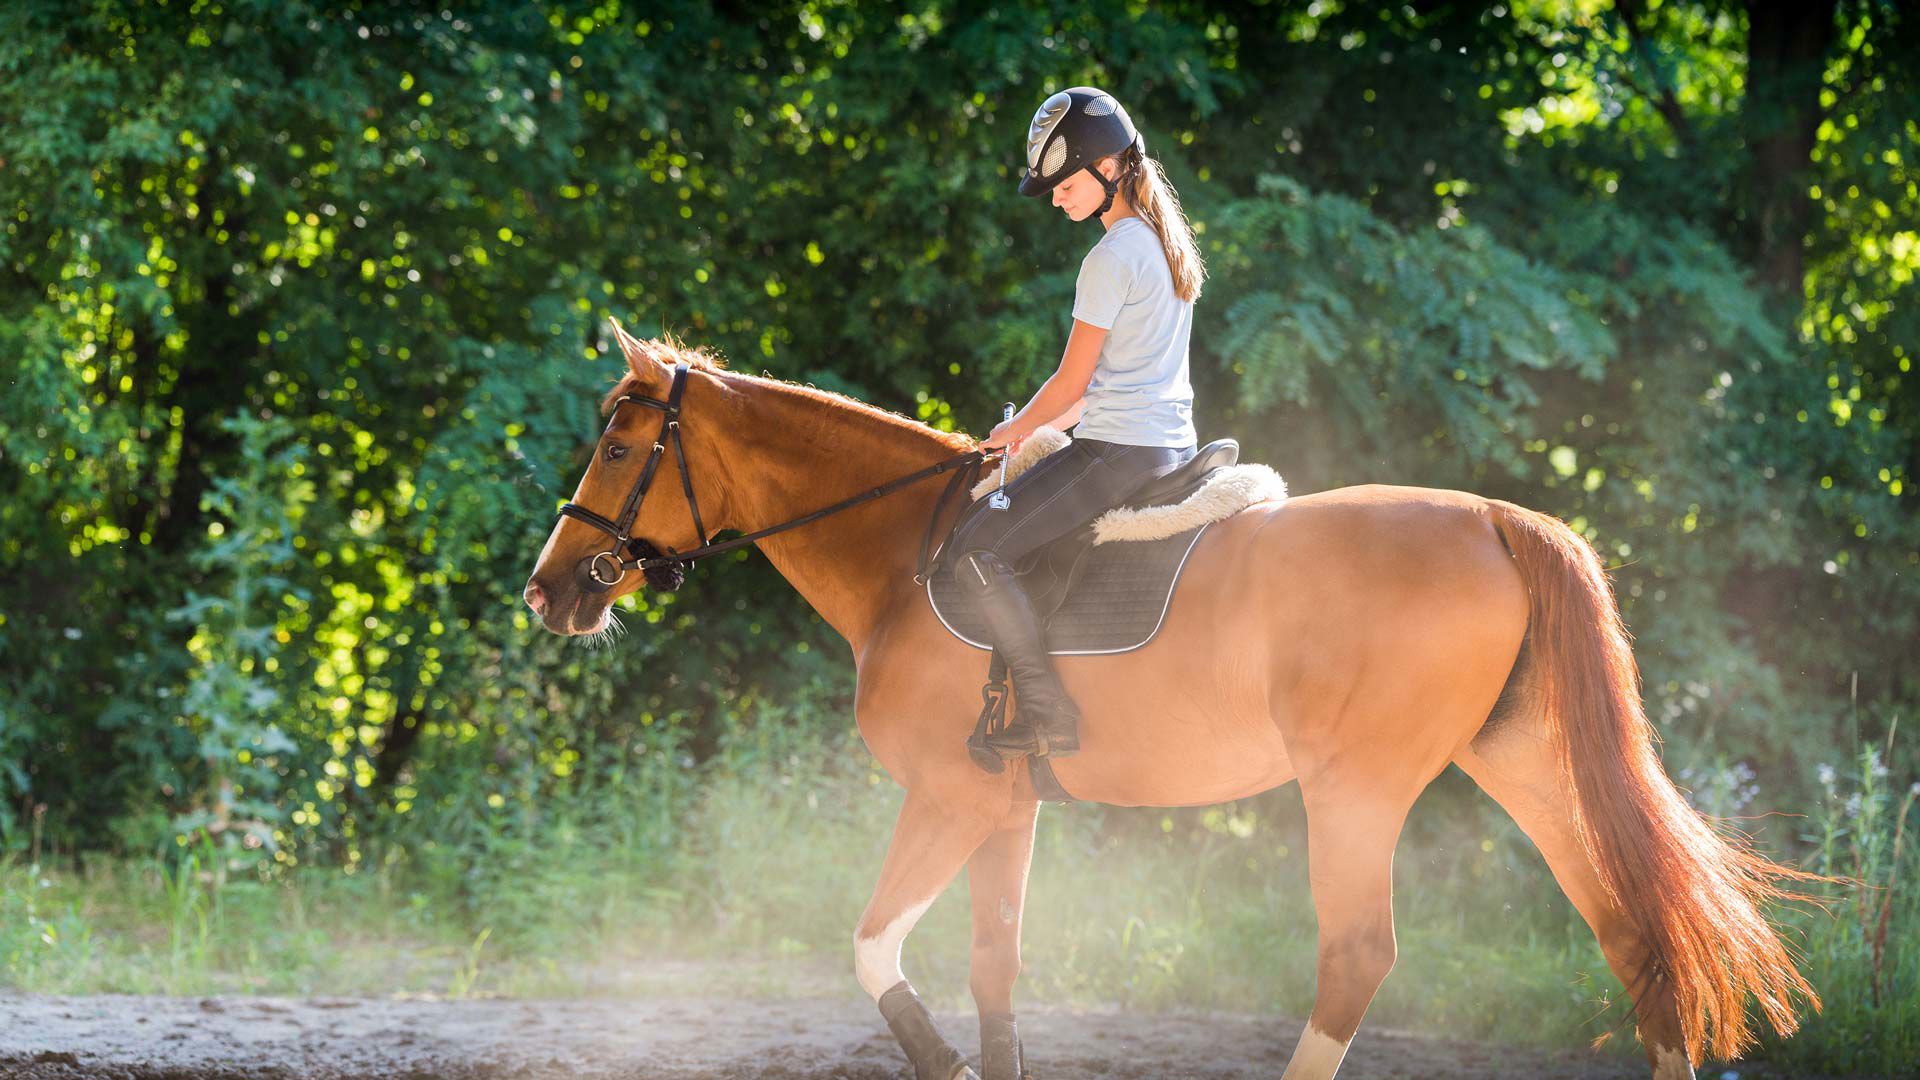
x,y
1862,952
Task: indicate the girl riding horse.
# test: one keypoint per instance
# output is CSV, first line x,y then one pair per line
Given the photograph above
x,y
1357,641
1123,379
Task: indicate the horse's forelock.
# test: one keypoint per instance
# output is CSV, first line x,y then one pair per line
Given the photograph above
x,y
670,351
628,384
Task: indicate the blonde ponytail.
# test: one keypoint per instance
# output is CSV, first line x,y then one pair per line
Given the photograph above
x,y
1147,190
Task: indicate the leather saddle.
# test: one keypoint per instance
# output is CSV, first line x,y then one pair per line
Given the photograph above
x,y
1103,598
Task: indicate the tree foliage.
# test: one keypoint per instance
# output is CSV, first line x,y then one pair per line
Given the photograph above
x,y
303,321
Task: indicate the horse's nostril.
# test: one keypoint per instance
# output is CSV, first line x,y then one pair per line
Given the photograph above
x,y
536,598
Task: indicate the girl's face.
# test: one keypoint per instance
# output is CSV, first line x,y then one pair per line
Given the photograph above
x,y
1079,195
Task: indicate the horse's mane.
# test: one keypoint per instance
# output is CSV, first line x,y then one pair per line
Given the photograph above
x,y
704,359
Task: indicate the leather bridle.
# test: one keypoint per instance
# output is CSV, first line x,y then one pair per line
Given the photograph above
x,y
666,570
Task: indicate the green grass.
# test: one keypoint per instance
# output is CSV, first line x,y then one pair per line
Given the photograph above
x,y
754,886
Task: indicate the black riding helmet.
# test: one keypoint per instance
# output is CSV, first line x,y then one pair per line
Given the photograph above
x,y
1073,129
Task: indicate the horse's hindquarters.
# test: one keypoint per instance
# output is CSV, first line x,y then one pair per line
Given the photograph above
x,y
1396,631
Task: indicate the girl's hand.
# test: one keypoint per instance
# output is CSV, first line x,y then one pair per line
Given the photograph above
x,y
1002,435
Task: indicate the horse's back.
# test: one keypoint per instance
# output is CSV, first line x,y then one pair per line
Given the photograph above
x,y
1398,539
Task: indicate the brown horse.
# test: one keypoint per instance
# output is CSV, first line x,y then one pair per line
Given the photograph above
x,y
1356,640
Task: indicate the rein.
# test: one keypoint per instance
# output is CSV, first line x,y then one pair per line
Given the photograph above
x,y
676,562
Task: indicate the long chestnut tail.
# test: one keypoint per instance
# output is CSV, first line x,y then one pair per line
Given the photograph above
x,y
1695,895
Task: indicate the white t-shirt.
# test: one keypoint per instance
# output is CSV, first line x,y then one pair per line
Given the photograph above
x,y
1139,394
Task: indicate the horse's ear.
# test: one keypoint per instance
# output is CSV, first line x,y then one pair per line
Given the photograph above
x,y
646,358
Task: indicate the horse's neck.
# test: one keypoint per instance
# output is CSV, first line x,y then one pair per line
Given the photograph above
x,y
796,452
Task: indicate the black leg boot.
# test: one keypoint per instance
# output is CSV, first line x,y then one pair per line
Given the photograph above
x,y
1046,723
933,1058
1000,1055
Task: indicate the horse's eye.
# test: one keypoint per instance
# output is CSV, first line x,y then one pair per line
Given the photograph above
x,y
615,451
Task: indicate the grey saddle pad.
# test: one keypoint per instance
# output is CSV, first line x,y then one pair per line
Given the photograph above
x,y
1116,604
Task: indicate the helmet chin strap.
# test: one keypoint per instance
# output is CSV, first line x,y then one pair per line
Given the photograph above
x,y
1112,186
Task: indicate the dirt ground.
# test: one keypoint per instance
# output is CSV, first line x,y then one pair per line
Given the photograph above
x,y
215,1038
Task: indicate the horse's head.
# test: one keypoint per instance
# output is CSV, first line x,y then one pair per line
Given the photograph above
x,y
578,576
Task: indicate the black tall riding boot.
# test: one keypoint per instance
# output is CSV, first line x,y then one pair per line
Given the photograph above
x,y
1046,721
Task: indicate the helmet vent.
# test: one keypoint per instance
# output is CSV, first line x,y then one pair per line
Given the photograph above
x,y
1056,156
1101,106
1044,121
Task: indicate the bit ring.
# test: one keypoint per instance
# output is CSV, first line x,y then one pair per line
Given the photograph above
x,y
593,569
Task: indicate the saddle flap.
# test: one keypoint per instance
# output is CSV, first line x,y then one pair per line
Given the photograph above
x,y
1054,570
1094,599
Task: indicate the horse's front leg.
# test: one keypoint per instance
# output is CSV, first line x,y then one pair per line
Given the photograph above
x,y
997,878
931,841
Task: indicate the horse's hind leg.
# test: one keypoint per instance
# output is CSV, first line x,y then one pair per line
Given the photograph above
x,y
997,878
931,840
1515,765
1351,832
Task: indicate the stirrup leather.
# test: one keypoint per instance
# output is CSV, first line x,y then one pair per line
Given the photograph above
x,y
993,717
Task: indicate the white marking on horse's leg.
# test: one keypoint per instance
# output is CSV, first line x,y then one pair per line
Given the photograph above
x,y
1316,1057
1670,1063
876,960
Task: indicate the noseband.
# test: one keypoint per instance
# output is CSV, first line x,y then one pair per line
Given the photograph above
x,y
667,572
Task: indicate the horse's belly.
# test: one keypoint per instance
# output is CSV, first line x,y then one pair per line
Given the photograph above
x,y
1175,761
1186,720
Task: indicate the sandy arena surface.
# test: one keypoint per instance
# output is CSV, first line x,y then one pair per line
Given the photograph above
x,y
215,1038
